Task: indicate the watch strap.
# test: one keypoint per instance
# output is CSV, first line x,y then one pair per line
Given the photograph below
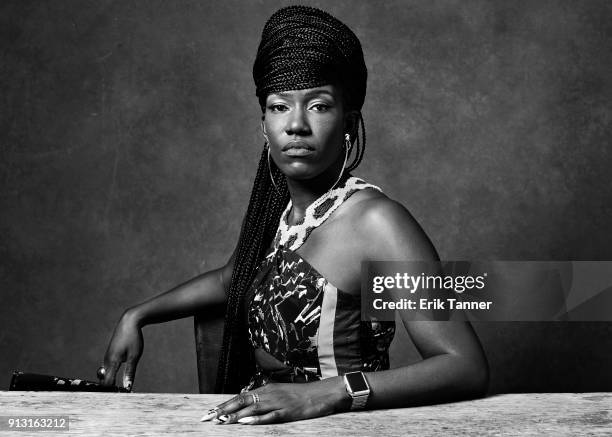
x,y
359,402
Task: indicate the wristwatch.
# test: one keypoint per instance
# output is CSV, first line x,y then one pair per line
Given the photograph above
x,y
358,389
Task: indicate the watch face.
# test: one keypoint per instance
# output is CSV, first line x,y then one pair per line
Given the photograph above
x,y
357,382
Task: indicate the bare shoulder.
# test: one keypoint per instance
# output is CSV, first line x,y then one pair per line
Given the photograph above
x,y
387,229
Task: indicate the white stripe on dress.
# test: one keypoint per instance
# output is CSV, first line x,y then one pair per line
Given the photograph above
x,y
325,340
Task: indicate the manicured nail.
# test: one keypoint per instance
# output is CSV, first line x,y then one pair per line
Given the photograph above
x,y
212,413
127,383
222,419
249,419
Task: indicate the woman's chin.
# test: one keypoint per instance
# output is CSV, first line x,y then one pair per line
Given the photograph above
x,y
301,171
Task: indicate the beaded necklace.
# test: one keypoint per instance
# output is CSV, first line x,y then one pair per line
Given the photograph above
x,y
292,237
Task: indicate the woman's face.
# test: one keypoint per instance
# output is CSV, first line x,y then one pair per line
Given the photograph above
x,y
305,130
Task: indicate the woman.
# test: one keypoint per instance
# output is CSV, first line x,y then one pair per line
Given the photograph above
x,y
292,286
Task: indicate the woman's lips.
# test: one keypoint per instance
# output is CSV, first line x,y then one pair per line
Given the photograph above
x,y
297,149
298,152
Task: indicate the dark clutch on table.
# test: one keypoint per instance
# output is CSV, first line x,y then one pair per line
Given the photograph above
x,y
22,381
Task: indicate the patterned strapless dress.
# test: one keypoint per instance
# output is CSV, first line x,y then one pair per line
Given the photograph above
x,y
301,322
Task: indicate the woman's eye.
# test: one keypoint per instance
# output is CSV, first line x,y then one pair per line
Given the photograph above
x,y
277,108
320,107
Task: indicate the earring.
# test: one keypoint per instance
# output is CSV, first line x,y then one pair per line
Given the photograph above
x,y
267,147
347,142
347,148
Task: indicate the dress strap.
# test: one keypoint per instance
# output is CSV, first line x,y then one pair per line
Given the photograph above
x,y
292,237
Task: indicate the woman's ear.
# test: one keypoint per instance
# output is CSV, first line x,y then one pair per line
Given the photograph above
x,y
350,123
263,127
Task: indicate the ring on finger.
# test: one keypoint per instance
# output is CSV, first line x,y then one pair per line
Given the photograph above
x,y
255,397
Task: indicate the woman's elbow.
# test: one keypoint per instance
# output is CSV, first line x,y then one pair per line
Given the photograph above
x,y
475,378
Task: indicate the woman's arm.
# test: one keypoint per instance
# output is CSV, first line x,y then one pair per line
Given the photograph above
x,y
185,300
194,296
454,365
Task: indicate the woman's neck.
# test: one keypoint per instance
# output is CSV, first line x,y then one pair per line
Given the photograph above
x,y
304,192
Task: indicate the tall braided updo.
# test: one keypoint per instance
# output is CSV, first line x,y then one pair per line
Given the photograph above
x,y
301,47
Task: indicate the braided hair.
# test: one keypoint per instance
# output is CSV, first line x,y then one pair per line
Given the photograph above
x,y
301,47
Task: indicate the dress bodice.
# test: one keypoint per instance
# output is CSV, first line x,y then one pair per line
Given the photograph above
x,y
302,320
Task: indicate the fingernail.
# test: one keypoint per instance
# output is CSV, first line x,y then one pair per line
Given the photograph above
x,y
127,383
249,419
212,413
222,419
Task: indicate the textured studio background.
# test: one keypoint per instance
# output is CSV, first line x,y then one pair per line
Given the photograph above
x,y
129,136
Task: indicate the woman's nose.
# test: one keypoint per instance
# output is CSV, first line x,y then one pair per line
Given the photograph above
x,y
297,124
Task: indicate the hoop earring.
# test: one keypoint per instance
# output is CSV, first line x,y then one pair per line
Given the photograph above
x,y
267,146
346,154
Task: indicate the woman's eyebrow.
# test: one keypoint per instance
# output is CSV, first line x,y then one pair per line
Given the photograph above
x,y
319,92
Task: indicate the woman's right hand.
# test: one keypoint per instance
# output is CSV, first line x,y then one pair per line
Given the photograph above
x,y
126,346
186,300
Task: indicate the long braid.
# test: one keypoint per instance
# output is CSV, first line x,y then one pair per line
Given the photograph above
x,y
263,214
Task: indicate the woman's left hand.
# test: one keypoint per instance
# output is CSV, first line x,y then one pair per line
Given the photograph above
x,y
283,403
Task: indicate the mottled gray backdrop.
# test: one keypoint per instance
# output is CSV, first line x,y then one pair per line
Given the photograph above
x,y
129,135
